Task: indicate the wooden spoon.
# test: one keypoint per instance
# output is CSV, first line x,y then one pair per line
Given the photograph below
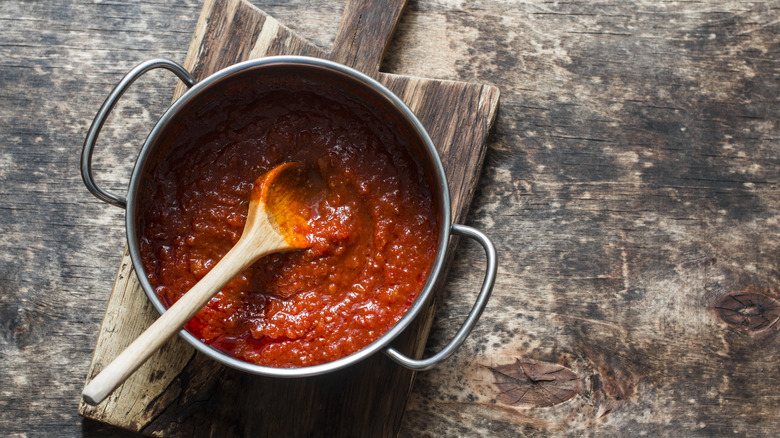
x,y
276,222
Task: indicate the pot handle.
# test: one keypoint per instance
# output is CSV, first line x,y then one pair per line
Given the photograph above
x,y
476,310
102,115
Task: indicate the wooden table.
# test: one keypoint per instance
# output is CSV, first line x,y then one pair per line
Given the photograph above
x,y
630,186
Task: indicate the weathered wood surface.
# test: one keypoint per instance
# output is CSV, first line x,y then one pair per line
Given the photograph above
x,y
159,397
631,186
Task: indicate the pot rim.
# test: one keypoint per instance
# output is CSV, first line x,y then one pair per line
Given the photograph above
x,y
434,163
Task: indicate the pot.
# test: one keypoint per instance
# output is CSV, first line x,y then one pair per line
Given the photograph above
x,y
265,71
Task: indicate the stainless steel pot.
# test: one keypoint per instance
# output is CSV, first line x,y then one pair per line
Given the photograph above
x,y
261,72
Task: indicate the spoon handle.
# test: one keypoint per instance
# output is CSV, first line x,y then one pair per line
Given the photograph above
x,y
116,372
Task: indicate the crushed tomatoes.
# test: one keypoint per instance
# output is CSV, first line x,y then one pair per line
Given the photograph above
x,y
374,227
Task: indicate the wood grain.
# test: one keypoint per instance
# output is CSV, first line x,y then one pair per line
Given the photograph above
x,y
365,32
456,115
630,184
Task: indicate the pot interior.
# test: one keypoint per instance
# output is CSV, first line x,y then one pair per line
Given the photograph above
x,y
243,121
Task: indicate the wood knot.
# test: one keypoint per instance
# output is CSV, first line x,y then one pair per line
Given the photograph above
x,y
748,310
530,383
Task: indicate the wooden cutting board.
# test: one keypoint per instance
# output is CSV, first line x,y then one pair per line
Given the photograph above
x,y
181,392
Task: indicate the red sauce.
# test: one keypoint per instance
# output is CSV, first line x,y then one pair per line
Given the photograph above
x,y
374,228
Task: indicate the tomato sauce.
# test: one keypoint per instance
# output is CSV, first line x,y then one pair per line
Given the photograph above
x,y
373,227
